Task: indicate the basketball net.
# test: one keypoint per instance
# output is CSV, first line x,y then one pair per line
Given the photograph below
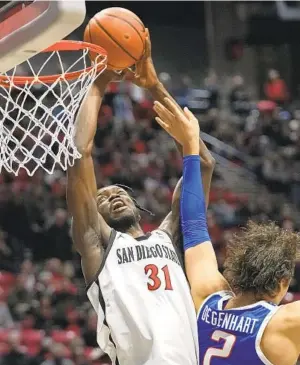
x,y
37,117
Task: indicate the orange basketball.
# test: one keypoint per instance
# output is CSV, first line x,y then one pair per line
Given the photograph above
x,y
121,33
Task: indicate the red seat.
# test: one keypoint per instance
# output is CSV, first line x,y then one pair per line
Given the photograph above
x,y
7,279
33,349
74,328
62,336
67,353
4,335
31,337
88,351
4,293
4,348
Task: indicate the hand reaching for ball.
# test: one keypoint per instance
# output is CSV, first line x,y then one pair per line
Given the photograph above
x,y
108,76
145,74
182,125
126,41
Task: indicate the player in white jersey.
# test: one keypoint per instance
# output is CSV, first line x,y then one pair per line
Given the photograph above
x,y
136,283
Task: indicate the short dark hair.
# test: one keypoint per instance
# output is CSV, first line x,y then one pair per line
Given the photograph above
x,y
259,257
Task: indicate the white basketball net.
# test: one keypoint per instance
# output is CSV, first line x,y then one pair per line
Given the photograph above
x,y
37,121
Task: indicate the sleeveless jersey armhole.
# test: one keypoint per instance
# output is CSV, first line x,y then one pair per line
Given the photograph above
x,y
164,231
260,333
111,240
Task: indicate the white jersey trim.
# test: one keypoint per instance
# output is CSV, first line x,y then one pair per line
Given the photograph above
x,y
159,230
260,333
111,240
250,306
104,337
224,294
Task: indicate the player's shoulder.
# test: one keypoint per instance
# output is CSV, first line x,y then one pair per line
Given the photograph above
x,y
286,324
287,318
290,313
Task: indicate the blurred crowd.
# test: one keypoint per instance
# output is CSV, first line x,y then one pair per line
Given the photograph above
x,y
266,132
44,312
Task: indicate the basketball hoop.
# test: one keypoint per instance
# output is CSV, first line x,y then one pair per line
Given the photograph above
x,y
37,130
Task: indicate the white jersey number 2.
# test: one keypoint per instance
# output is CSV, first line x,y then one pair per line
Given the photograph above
x,y
223,352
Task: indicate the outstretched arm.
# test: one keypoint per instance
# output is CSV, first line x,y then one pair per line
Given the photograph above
x,y
146,77
200,259
173,113
90,232
161,95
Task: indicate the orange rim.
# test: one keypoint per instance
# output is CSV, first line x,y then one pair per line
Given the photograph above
x,y
49,79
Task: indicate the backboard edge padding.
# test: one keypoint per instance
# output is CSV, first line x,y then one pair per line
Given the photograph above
x,y
60,19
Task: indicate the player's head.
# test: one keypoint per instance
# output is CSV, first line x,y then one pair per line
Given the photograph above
x,y
118,208
261,261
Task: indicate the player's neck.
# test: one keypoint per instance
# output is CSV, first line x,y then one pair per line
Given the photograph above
x,y
135,231
242,300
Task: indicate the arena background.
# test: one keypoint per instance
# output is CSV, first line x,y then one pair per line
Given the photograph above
x,y
215,57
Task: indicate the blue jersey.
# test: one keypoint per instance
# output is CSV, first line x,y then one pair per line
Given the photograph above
x,y
232,336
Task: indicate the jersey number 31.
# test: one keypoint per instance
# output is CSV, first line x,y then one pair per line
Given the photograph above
x,y
152,271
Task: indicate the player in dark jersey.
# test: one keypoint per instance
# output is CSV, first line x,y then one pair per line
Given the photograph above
x,y
240,321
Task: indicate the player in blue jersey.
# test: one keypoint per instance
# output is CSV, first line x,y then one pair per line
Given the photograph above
x,y
240,321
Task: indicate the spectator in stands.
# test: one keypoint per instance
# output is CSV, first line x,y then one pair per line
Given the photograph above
x,y
6,320
123,109
58,240
211,85
58,357
225,213
295,188
89,332
181,92
6,254
166,80
43,352
15,355
77,352
44,313
239,97
16,207
20,299
27,269
276,88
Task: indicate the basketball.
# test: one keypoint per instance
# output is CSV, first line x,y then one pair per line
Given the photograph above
x,y
121,33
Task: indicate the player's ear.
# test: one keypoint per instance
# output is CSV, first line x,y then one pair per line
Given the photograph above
x,y
284,283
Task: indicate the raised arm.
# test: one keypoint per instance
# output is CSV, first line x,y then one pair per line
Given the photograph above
x,y
146,77
200,259
90,232
171,111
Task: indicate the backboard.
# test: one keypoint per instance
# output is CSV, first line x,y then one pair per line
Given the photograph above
x,y
288,10
28,27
